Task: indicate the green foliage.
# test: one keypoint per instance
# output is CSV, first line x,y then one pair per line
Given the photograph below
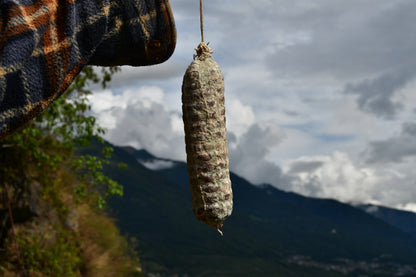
x,y
43,153
58,256
50,140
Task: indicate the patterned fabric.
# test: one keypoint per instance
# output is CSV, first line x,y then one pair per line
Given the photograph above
x,y
44,44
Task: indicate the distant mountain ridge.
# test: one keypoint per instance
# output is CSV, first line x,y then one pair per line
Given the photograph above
x,y
270,233
404,220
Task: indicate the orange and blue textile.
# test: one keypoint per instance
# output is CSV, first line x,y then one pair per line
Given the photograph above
x,y
44,44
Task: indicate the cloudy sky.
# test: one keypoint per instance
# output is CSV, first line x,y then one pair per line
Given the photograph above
x,y
320,95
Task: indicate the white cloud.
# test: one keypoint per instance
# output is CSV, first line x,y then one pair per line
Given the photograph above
x,y
239,116
135,76
348,120
338,176
411,207
371,209
107,105
139,118
157,164
106,99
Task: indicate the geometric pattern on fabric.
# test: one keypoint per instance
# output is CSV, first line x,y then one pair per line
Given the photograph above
x,y
44,44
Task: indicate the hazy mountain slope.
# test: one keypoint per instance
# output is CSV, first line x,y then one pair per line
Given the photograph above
x,y
403,220
269,232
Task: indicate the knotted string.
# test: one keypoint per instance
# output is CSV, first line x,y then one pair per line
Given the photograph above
x,y
202,51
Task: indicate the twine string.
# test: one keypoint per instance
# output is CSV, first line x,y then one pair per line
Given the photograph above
x,y
202,51
201,18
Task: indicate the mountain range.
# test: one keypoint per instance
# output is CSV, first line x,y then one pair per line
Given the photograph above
x,y
270,233
404,220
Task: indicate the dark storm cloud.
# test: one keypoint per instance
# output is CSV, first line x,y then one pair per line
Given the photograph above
x,y
395,149
250,157
409,128
367,46
375,95
346,39
303,166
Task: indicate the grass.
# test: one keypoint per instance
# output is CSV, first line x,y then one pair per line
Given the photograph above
x,y
105,251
